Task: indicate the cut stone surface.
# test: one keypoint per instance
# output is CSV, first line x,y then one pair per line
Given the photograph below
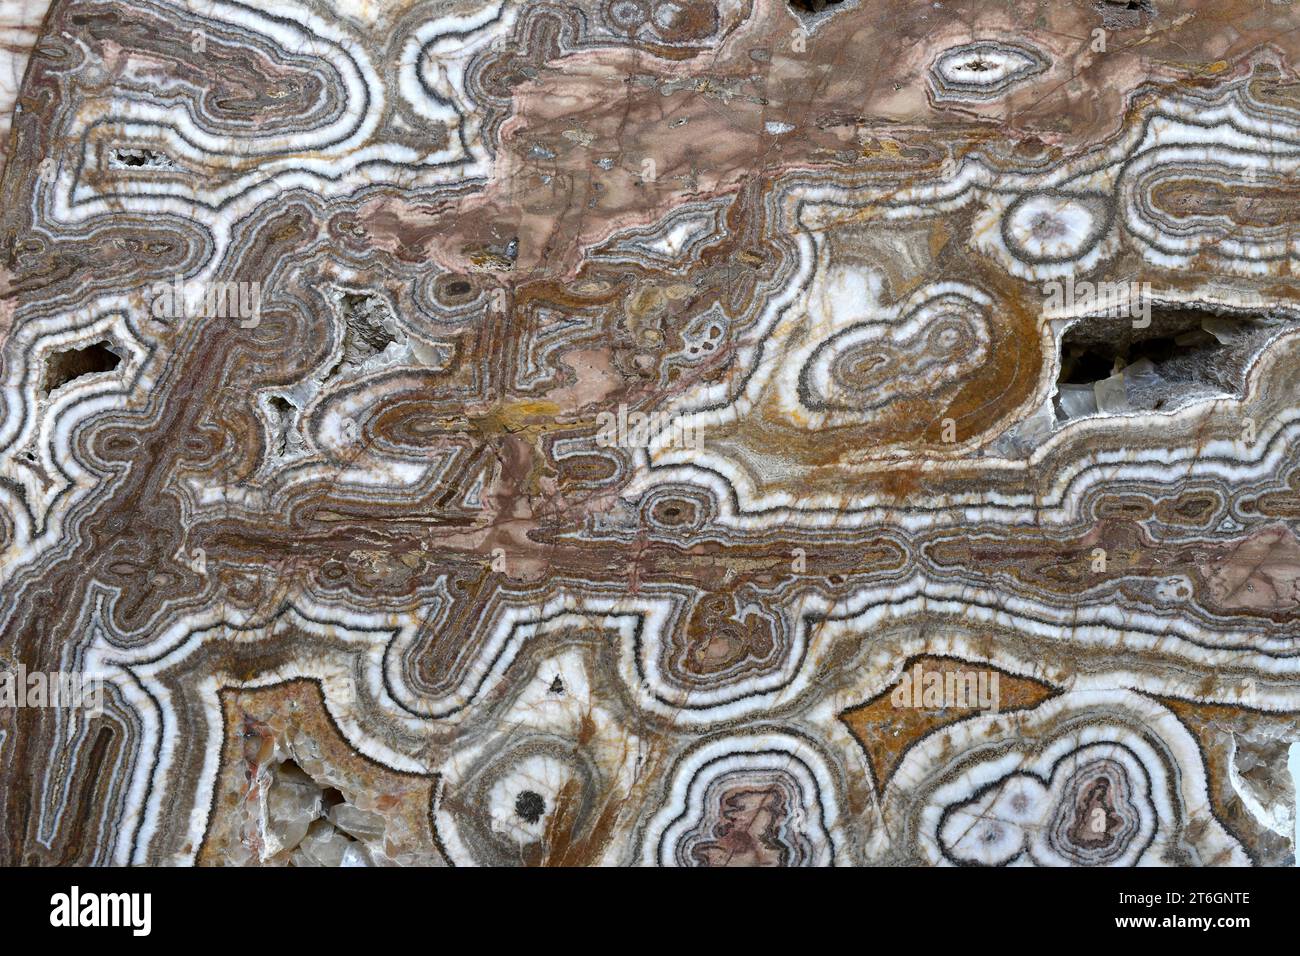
x,y
615,432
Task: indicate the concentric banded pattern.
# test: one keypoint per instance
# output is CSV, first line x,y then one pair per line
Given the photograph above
x,y
621,432
983,70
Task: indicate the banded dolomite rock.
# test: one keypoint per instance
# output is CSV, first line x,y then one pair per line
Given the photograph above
x,y
649,432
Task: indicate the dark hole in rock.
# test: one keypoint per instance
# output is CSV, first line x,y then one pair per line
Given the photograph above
x,y
62,367
1080,365
282,419
530,806
1183,355
1124,14
288,770
812,6
140,157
